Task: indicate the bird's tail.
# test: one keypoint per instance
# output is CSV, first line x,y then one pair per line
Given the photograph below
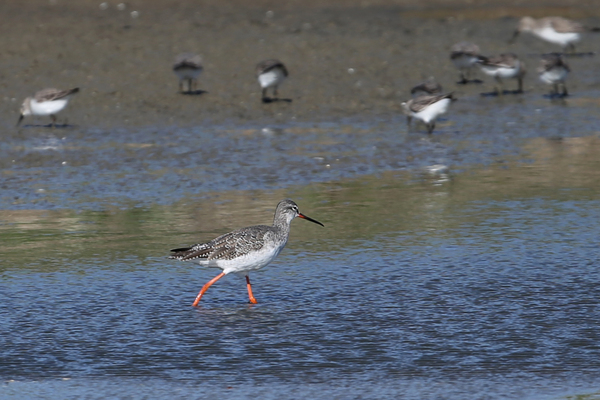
x,y
192,252
180,253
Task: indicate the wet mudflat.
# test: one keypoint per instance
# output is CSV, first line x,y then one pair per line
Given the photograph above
x,y
459,265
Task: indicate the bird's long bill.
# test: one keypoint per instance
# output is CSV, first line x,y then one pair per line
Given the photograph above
x,y
513,38
20,119
310,219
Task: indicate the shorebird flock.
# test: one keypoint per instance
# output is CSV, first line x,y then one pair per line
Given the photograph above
x,y
429,102
188,67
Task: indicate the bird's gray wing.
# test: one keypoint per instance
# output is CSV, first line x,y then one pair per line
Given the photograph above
x,y
225,247
51,94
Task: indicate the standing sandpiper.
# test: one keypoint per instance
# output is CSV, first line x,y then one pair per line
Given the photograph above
x,y
270,73
464,56
553,71
504,66
427,109
187,67
46,102
557,30
244,250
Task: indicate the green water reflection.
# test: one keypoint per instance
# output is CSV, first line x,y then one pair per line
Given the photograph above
x,y
422,207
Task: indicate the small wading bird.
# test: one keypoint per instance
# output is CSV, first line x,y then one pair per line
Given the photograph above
x,y
427,109
244,250
557,30
553,71
46,102
464,56
187,67
504,66
270,73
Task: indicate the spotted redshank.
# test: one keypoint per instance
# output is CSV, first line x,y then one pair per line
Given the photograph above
x,y
244,250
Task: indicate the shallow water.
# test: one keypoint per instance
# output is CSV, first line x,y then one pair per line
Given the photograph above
x,y
76,168
480,283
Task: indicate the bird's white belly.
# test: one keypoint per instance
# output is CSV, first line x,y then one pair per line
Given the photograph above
x,y
271,78
246,263
554,76
431,113
561,38
47,107
501,72
464,61
188,73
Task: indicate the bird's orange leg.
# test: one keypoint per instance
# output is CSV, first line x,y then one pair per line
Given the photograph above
x,y
205,288
250,295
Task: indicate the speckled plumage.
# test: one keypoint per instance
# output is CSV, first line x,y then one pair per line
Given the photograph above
x,y
246,249
230,245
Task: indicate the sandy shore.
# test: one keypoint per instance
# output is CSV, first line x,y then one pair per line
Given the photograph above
x,y
346,58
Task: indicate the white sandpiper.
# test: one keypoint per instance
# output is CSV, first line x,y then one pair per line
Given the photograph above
x,y
553,71
270,73
244,250
464,56
46,102
427,109
557,30
187,67
504,66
